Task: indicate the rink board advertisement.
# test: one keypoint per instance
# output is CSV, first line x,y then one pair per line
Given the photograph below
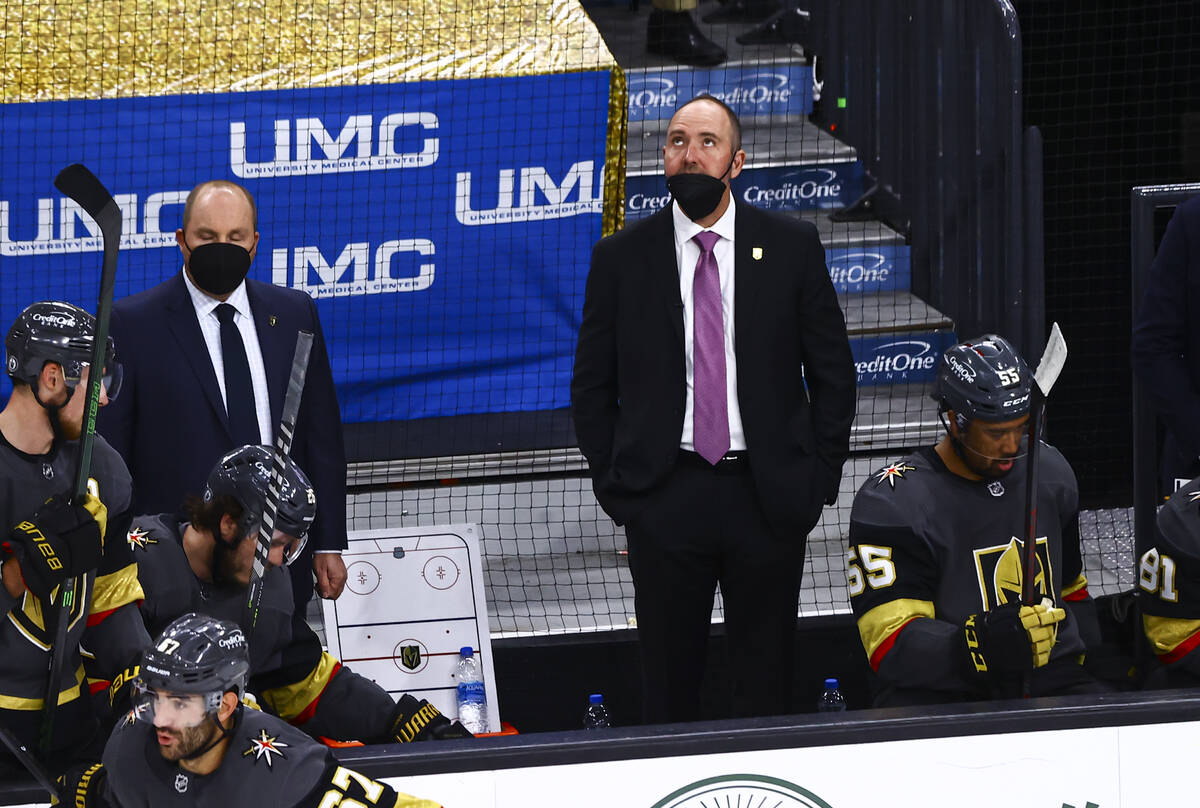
x,y
445,246
780,88
1133,766
1111,767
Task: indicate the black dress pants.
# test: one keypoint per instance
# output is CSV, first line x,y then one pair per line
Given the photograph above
x,y
702,527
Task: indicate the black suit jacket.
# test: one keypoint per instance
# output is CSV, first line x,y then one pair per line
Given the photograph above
x,y
1166,341
796,378
169,421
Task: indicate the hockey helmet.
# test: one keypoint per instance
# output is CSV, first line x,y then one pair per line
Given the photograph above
x,y
983,378
245,474
54,331
194,654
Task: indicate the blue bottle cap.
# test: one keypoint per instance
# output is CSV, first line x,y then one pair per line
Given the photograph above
x,y
596,698
831,684
466,651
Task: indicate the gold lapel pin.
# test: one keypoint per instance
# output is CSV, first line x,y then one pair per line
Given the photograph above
x,y
756,253
271,319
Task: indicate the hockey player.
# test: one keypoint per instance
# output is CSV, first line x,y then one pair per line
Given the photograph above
x,y
935,562
48,540
204,564
190,741
1169,590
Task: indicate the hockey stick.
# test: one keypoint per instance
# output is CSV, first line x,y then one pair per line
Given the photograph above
x,y
283,448
30,763
81,185
1048,370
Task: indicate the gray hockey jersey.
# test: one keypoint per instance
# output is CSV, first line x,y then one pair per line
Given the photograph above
x,y
1169,580
930,548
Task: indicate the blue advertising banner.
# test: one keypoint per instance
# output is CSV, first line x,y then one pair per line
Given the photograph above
x,y
870,268
820,187
899,358
446,248
780,88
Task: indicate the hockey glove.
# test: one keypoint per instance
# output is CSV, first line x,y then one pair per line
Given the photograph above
x,y
415,720
59,541
1011,638
84,786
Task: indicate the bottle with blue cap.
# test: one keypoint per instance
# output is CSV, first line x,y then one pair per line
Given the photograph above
x,y
472,697
831,700
596,716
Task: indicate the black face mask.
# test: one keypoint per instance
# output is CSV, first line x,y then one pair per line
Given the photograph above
x,y
697,194
219,267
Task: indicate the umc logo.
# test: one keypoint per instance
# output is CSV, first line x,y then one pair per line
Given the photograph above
x,y
63,227
376,146
531,194
357,270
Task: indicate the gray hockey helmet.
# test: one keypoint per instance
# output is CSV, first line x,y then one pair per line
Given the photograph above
x,y
54,331
983,378
245,474
197,654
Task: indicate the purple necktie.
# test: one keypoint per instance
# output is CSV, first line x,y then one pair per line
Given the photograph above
x,y
710,411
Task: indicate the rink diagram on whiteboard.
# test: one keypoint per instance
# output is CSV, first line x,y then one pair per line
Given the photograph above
x,y
413,598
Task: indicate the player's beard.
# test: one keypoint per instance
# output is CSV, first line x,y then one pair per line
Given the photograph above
x,y
228,568
187,741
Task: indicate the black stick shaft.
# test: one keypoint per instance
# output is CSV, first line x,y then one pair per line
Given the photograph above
x,y
283,448
78,183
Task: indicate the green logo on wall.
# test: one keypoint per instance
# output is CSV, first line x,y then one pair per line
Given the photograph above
x,y
742,789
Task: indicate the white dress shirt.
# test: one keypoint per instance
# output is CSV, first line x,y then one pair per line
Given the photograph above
x,y
210,327
687,253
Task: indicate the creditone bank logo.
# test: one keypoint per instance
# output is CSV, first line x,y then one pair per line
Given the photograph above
x,y
756,89
903,357
748,790
652,92
859,267
306,146
796,189
531,194
399,265
649,203
61,226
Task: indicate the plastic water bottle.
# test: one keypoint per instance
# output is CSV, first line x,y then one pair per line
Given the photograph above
x,y
472,698
831,700
596,716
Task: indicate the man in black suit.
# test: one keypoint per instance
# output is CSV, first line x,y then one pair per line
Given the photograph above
x,y
712,396
207,355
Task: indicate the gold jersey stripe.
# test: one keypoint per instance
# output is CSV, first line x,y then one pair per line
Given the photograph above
x,y
117,589
18,703
885,619
1076,585
289,701
1165,633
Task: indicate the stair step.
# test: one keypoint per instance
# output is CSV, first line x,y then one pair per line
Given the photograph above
x,y
899,358
768,140
894,312
894,417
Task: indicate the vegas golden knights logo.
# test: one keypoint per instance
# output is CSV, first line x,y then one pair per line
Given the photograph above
x,y
410,656
1000,573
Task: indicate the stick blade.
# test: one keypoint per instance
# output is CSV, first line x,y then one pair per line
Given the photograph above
x,y
1053,359
80,184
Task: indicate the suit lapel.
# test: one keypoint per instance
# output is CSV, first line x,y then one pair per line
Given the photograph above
x,y
660,255
185,328
747,270
273,341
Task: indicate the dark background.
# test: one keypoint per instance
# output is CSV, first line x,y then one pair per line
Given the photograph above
x,y
1114,87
